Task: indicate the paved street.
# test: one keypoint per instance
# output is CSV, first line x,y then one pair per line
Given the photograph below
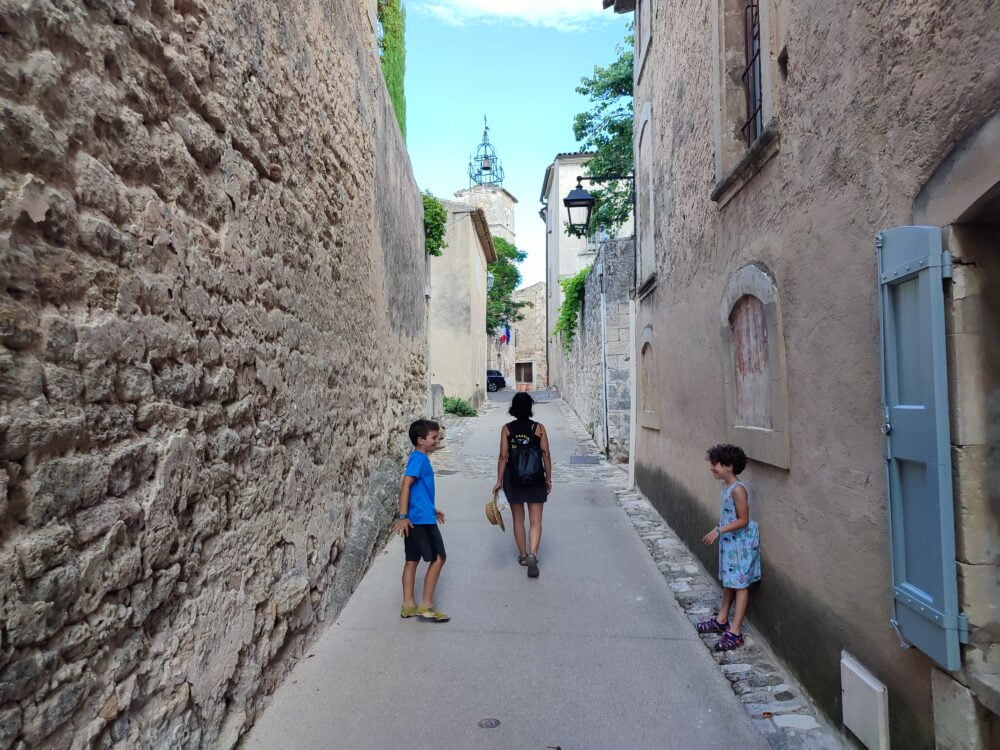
x,y
593,654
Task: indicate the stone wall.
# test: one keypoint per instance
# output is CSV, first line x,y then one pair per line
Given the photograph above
x,y
583,381
529,333
213,331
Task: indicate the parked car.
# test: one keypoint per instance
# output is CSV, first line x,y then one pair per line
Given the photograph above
x,y
495,380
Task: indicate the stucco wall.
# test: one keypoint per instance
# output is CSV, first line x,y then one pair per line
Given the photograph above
x,y
212,319
872,99
458,310
583,380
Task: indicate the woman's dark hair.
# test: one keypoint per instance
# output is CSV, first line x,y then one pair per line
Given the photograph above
x,y
520,407
728,455
422,428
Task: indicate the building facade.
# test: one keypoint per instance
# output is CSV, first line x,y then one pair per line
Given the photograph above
x,y
565,254
778,147
531,370
458,341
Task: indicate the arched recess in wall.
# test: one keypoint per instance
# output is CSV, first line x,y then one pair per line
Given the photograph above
x,y
646,412
646,206
754,370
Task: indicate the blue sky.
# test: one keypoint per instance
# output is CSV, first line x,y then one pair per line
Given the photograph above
x,y
519,63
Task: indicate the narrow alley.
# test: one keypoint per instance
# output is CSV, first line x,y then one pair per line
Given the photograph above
x,y
593,654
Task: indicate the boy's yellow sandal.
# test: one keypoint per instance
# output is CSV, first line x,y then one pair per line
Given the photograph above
x,y
429,613
408,611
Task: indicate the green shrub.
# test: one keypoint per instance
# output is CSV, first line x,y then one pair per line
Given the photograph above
x,y
569,310
459,406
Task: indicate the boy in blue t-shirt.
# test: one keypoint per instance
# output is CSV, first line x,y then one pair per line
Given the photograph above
x,y
417,522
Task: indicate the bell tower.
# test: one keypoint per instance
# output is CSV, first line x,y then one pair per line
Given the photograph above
x,y
486,189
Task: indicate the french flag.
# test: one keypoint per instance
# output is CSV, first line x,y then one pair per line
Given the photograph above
x,y
505,334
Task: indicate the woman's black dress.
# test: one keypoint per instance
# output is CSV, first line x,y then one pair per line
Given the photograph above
x,y
521,432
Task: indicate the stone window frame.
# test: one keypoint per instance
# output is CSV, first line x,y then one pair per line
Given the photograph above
x,y
736,162
645,224
647,417
645,12
769,446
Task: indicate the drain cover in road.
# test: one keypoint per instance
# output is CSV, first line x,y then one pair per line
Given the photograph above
x,y
489,723
583,459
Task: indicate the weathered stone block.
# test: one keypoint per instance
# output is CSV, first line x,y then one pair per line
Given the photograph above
x,y
19,327
10,725
58,487
51,713
100,237
62,384
960,723
60,338
134,383
34,622
96,185
58,585
979,594
21,376
976,477
27,142
108,423
92,522
21,676
160,413
42,550
149,594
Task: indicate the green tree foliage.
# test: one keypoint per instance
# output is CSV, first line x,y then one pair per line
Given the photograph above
x,y
500,305
435,218
569,311
606,129
392,47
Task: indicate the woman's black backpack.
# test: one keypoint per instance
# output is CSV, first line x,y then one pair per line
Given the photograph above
x,y
526,466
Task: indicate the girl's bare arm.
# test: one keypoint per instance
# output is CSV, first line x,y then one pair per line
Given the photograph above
x,y
546,455
501,459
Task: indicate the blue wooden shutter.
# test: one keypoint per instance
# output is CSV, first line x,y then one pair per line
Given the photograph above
x,y
912,267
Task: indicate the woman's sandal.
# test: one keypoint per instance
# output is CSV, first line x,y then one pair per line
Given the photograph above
x,y
532,566
712,626
729,641
522,559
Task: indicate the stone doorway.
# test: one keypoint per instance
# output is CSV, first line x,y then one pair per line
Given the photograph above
x,y
963,197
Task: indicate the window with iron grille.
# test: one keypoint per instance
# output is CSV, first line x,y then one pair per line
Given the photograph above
x,y
754,123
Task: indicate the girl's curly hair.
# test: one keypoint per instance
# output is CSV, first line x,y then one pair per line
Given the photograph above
x,y
728,455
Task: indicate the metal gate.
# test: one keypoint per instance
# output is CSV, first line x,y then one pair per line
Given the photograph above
x,y
912,267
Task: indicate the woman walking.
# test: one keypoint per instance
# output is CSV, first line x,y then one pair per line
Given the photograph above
x,y
524,471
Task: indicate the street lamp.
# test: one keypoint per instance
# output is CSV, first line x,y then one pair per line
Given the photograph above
x,y
579,203
490,278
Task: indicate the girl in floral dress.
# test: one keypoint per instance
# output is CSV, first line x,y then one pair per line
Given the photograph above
x,y
739,546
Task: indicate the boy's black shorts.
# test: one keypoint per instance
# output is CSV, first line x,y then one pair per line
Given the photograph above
x,y
424,542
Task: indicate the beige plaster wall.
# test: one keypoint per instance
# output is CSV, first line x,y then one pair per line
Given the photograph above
x,y
874,97
458,309
213,339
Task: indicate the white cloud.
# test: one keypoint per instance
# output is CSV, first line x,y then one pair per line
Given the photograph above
x,y
563,15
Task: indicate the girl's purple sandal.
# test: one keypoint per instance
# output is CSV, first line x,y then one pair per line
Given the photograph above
x,y
729,641
712,626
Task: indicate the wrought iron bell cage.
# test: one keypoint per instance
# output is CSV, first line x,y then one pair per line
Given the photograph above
x,y
485,167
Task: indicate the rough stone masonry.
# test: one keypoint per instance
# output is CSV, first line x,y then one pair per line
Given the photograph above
x,y
213,335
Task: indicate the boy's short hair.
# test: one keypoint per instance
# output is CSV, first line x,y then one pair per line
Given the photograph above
x,y
725,454
422,428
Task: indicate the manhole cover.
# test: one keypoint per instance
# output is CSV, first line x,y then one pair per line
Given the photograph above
x,y
583,459
489,723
